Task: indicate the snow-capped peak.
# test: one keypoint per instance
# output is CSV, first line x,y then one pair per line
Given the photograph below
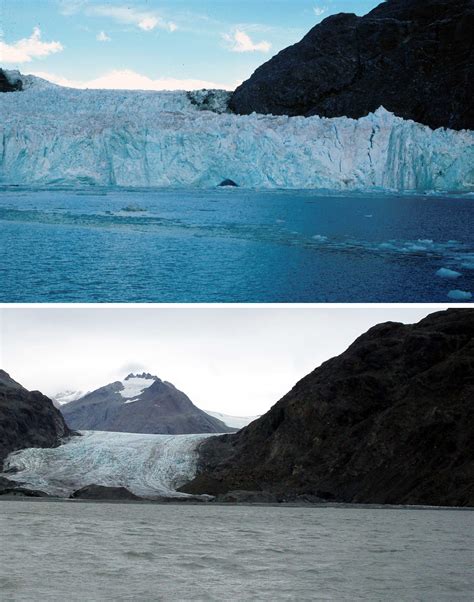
x,y
135,384
237,422
67,396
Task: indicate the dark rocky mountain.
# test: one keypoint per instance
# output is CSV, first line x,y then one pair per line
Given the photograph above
x,y
390,420
8,86
414,57
27,419
141,403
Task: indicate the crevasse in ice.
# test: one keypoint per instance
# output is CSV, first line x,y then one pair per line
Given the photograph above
x,y
52,135
147,465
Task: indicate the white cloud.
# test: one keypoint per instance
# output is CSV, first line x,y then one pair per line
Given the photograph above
x,y
239,41
320,10
70,7
26,49
145,20
126,79
102,37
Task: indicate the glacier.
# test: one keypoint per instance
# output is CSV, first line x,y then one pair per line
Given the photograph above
x,y
150,466
57,136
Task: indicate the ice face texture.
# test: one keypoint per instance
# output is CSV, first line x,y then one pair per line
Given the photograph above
x,y
147,465
59,136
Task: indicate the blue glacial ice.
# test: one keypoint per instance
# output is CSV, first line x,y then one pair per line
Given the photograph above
x,y
51,135
148,465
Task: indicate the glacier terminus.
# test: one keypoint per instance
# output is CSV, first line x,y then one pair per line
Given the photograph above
x,y
57,136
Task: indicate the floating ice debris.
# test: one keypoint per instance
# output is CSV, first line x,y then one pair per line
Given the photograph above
x,y
319,237
447,273
368,215
460,295
133,208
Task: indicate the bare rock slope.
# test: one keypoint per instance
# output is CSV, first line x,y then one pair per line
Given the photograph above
x,y
27,419
414,57
390,420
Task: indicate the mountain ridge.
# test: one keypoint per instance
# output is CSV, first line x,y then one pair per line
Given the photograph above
x,y
141,403
390,421
27,419
413,57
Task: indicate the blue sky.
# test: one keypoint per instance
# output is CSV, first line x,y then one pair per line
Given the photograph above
x,y
155,44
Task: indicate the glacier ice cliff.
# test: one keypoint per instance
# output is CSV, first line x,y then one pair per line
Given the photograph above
x,y
147,465
52,135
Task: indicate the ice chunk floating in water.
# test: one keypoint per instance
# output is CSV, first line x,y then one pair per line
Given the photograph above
x,y
147,465
447,273
53,135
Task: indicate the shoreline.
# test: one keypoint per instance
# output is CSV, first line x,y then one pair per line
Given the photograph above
x,y
185,502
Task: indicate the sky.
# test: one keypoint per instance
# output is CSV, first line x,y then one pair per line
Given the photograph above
x,y
155,44
239,361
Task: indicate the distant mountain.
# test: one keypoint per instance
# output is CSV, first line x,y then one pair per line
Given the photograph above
x,y
141,403
235,422
27,419
67,396
390,420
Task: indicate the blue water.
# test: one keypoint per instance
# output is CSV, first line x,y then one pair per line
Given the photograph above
x,y
232,246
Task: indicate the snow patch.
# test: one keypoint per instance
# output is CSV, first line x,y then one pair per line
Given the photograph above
x,y
233,421
134,385
61,399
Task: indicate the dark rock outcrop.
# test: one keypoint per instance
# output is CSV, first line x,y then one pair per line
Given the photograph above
x,y
228,182
414,57
160,408
27,419
390,421
9,86
99,492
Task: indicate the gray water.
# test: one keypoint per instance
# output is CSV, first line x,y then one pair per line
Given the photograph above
x,y
87,551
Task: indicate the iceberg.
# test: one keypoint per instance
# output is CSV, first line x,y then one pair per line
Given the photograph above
x,y
51,135
149,466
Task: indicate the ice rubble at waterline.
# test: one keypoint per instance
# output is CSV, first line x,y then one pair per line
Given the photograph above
x,y
52,135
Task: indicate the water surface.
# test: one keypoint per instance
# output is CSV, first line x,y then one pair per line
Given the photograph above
x,y
86,551
232,245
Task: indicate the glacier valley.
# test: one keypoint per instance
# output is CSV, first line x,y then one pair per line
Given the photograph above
x,y
56,136
149,466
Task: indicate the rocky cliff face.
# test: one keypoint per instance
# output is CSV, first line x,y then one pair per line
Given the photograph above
x,y
27,419
6,85
414,57
141,403
391,420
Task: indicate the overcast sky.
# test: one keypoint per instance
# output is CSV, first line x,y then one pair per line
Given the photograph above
x,y
237,361
155,44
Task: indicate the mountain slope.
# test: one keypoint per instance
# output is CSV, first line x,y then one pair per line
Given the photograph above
x,y
27,419
141,403
391,420
414,57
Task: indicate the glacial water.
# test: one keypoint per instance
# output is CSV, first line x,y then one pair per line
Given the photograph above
x,y
234,245
60,551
